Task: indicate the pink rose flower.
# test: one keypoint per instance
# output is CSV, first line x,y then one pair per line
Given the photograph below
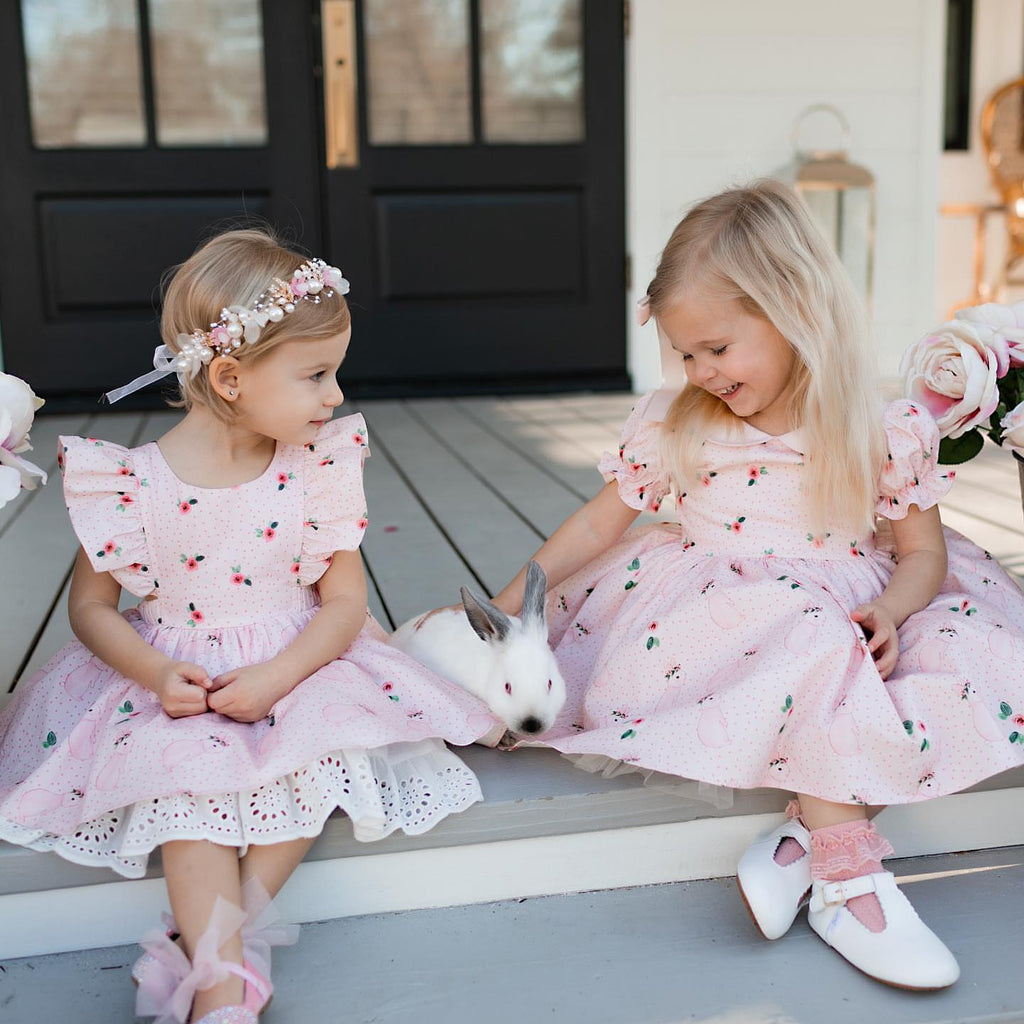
x,y
299,286
18,406
1006,324
1013,429
952,372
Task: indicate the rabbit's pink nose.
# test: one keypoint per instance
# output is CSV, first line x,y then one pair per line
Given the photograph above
x,y
531,724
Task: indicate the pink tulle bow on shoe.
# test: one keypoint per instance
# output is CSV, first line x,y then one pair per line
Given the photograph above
x,y
150,962
205,970
263,928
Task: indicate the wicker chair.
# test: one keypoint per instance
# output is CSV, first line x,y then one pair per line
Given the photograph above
x,y
1002,138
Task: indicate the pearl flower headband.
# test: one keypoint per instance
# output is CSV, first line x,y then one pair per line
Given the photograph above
x,y
314,281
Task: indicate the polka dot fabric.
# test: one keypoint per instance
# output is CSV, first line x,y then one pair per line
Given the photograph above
x,y
720,648
91,766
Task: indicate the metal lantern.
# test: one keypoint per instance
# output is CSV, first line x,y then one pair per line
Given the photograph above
x,y
841,197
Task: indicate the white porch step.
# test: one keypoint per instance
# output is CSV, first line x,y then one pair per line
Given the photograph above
x,y
545,828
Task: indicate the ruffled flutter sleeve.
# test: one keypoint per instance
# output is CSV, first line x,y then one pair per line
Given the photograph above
x,y
637,466
912,474
102,494
335,506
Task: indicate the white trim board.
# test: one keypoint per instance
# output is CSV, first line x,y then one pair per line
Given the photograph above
x,y
115,913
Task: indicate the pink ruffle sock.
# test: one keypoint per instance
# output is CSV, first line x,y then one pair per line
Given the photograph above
x,y
789,851
849,850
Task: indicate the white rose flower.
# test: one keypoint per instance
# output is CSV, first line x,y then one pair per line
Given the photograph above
x,y
1007,326
1013,430
952,372
18,406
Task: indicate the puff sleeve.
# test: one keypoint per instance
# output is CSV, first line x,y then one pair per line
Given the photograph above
x,y
912,474
335,506
102,494
637,467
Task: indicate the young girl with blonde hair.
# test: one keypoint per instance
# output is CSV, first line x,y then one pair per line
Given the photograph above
x,y
250,693
765,640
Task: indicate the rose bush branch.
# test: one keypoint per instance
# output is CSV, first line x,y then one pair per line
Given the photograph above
x,y
18,406
969,374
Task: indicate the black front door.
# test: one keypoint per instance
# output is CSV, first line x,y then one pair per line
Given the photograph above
x,y
461,160
477,197
133,129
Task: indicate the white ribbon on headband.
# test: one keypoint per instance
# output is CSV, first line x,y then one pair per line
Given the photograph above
x,y
673,372
165,361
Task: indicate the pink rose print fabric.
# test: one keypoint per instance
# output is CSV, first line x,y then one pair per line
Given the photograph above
x,y
719,648
92,767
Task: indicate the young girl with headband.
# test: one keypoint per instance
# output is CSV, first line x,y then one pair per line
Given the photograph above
x,y
250,693
766,640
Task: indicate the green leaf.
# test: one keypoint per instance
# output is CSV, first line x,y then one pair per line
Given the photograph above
x,y
909,726
1013,736
924,745
51,738
634,565
1004,709
630,585
650,642
953,451
628,734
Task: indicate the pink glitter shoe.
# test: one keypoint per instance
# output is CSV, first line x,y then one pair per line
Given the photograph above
x,y
228,1015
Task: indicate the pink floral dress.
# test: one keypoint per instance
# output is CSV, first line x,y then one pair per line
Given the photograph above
x,y
720,648
90,765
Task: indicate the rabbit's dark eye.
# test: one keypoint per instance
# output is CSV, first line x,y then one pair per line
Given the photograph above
x,y
549,684
508,688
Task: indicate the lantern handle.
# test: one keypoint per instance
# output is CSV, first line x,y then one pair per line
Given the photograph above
x,y
816,108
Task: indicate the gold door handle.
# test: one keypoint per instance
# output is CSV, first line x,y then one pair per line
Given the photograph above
x,y
338,21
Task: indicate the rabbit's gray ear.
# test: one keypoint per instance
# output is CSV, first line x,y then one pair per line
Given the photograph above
x,y
488,622
533,596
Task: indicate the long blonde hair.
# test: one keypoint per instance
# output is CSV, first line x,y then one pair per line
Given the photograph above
x,y
759,246
233,268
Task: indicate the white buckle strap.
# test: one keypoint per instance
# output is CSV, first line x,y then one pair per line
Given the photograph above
x,y
836,894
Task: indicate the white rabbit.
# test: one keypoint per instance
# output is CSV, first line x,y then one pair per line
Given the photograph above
x,y
502,659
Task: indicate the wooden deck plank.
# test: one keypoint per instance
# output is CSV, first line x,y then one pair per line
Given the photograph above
x,y
407,556
538,494
38,551
490,537
549,441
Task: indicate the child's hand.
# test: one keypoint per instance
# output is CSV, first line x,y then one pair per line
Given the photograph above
x,y
883,639
246,694
182,690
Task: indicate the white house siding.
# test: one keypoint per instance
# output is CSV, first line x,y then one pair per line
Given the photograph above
x,y
712,93
997,57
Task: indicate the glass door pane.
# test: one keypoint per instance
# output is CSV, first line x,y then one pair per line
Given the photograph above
x,y
532,69
84,79
418,70
208,72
